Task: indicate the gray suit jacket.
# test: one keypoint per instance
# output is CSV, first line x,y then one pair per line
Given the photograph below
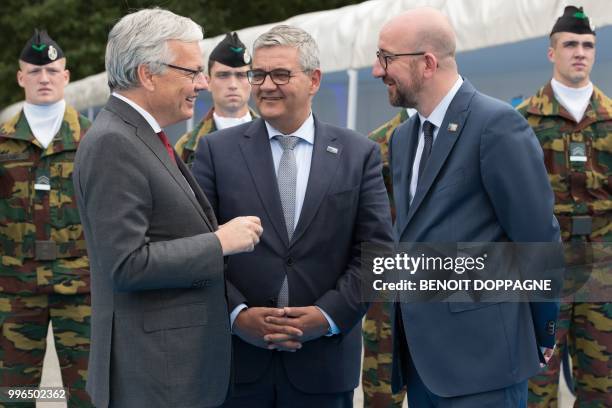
x,y
160,327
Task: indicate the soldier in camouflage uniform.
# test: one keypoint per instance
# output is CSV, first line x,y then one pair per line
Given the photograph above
x,y
229,87
377,339
573,121
44,269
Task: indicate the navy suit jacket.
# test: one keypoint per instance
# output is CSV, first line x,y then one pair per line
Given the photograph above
x,y
485,181
345,205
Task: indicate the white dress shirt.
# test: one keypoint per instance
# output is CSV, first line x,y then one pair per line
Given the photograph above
x,y
436,118
146,115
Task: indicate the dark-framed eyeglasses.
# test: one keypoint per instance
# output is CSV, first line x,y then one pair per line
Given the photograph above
x,y
278,76
383,57
191,73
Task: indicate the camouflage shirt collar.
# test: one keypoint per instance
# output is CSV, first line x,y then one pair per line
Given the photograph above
x,y
544,103
69,134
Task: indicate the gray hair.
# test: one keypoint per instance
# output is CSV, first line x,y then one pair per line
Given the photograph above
x,y
141,38
285,35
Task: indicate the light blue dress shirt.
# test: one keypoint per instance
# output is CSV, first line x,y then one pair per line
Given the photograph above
x,y
303,158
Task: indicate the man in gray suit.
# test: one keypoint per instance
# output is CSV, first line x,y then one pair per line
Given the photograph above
x,y
466,168
160,326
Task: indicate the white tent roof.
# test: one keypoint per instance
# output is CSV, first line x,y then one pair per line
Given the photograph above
x,y
347,36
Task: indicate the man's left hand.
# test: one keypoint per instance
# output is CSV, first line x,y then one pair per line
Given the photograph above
x,y
308,319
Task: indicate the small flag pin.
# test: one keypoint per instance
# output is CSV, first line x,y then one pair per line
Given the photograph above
x,y
332,149
452,127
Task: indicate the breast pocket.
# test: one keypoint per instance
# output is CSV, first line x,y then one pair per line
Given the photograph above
x,y
14,176
62,204
454,179
343,200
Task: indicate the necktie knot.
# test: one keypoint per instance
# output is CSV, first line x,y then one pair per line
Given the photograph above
x,y
287,142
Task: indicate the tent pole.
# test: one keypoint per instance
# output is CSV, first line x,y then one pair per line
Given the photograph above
x,y
351,112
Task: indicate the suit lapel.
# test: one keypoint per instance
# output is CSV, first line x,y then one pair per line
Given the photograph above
x,y
203,202
145,133
407,149
149,138
255,148
323,168
456,116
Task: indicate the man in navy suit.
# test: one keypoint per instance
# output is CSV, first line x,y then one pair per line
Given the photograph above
x,y
295,301
467,168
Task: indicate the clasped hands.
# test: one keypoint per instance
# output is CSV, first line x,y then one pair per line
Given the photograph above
x,y
284,329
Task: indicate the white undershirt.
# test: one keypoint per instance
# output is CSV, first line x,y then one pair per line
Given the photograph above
x,y
45,120
575,100
222,122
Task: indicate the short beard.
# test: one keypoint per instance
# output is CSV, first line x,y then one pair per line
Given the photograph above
x,y
406,97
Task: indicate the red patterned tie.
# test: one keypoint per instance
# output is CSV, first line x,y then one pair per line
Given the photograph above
x,y
166,142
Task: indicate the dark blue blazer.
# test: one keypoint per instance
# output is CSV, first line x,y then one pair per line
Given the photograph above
x,y
345,205
485,181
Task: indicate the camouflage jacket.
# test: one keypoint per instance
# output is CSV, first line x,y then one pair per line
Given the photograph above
x,y
188,143
580,187
41,239
381,135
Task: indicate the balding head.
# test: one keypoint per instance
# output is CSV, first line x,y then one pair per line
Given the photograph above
x,y
416,59
423,29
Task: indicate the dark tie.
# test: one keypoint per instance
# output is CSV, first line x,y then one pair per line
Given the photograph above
x,y
287,179
167,145
428,129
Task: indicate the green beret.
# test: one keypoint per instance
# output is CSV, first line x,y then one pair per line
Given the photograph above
x,y
231,52
574,21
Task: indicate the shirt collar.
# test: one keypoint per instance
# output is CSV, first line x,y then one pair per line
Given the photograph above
x,y
437,115
223,122
304,132
146,115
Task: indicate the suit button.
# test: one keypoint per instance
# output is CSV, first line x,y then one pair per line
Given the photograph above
x,y
290,261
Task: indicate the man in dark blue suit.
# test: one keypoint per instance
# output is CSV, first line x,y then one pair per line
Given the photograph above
x,y
467,168
319,192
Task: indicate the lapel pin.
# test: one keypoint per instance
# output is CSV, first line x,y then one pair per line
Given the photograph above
x,y
332,149
452,127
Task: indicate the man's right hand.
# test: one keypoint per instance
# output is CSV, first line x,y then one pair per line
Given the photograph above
x,y
251,326
240,234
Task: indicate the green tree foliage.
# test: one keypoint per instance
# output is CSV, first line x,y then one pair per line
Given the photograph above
x,y
81,26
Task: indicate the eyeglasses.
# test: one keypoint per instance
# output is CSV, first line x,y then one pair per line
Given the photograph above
x,y
383,57
193,73
278,76
223,75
